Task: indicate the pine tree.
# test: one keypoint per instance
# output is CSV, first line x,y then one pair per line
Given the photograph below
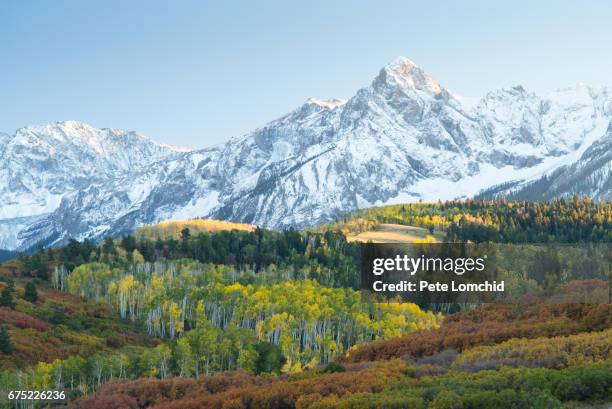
x,y
185,234
6,347
31,294
6,298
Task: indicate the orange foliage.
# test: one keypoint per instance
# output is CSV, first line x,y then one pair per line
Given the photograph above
x,y
11,268
241,390
112,401
491,325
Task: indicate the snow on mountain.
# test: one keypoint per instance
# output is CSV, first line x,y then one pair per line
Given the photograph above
x,y
329,104
39,165
404,137
590,175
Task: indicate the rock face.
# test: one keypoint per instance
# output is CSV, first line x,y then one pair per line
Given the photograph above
x,y
402,138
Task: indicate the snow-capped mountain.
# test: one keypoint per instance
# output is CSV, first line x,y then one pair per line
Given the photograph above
x,y
402,138
590,175
40,165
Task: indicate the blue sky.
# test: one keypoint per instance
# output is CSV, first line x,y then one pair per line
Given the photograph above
x,y
195,73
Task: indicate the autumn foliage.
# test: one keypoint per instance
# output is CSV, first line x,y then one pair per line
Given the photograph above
x,y
206,314
489,325
174,229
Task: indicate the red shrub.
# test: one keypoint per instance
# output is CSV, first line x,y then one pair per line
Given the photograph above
x,y
21,320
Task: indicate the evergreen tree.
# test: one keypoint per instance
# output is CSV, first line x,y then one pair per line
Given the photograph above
x,y
128,243
108,247
6,347
31,294
270,358
43,271
6,298
185,233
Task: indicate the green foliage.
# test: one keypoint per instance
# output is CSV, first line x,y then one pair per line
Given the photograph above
x,y
446,400
6,347
6,297
546,400
76,253
307,320
31,294
270,358
327,258
553,352
499,221
185,234
7,280
253,301
378,385
333,366
38,263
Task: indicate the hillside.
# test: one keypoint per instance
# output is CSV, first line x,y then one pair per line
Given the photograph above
x,y
53,325
549,370
199,314
395,233
173,229
498,221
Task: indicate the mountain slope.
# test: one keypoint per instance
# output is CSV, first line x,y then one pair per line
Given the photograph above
x,y
40,165
402,138
590,175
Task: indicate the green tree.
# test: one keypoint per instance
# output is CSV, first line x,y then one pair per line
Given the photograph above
x,y
6,347
128,243
203,342
6,298
31,294
185,233
446,400
183,356
160,356
332,367
108,247
137,257
270,358
546,400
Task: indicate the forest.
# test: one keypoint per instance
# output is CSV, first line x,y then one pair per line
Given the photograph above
x,y
200,313
573,220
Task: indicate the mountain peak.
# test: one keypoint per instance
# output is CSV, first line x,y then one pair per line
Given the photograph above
x,y
327,103
83,137
402,61
69,125
406,74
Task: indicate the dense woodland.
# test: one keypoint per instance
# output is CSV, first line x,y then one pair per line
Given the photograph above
x,y
499,221
327,257
205,314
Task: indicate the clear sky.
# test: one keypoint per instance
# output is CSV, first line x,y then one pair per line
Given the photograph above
x,y
195,73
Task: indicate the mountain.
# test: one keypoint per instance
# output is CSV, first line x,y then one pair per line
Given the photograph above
x,y
40,165
590,175
402,138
